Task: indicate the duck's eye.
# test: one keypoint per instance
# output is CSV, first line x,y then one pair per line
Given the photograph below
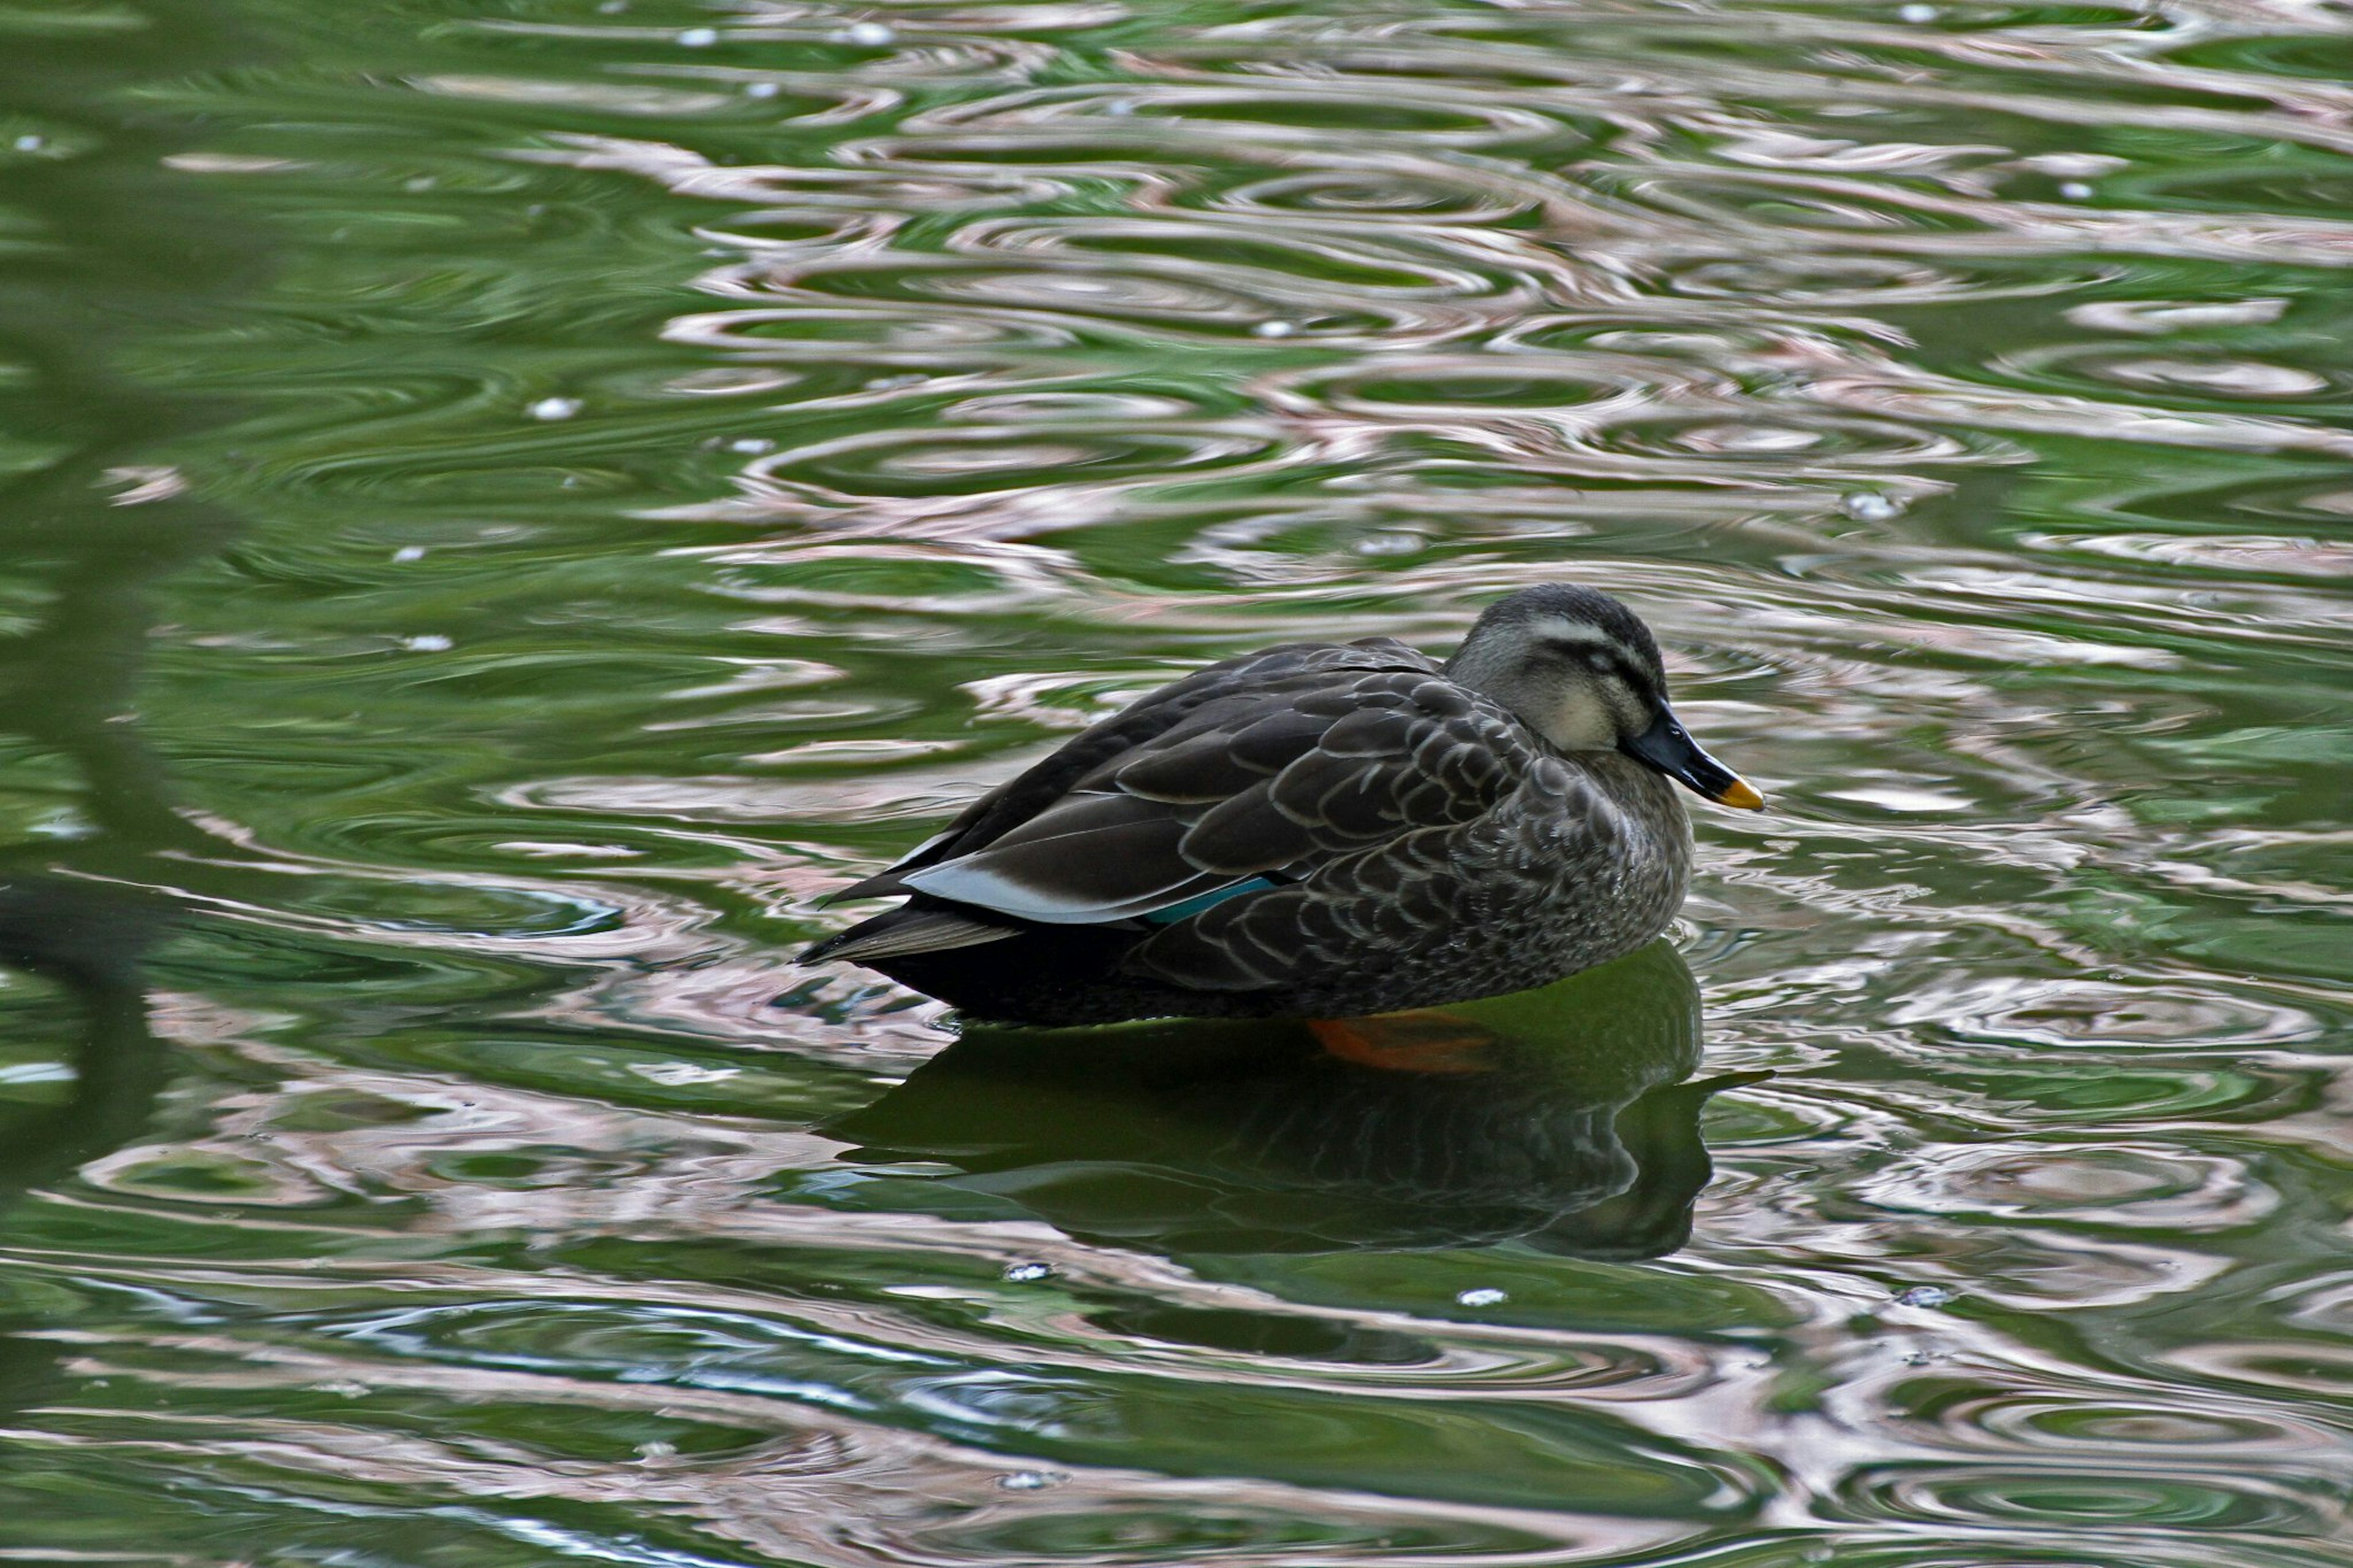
x,y
1598,662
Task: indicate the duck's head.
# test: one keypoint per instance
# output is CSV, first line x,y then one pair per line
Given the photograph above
x,y
1580,670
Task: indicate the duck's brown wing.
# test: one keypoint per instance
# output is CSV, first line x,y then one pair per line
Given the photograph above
x,y
1140,723
1255,770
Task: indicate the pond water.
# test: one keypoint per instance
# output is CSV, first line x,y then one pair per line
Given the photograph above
x,y
508,501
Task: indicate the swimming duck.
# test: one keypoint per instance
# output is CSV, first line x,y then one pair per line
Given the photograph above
x,y
1320,830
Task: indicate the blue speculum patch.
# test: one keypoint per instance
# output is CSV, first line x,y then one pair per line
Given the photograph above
x,y
1195,905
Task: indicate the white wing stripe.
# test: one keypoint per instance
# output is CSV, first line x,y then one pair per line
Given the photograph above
x,y
963,882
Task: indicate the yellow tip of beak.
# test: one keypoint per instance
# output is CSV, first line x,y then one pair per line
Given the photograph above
x,y
1742,794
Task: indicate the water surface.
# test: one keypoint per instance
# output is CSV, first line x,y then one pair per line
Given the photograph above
x,y
506,501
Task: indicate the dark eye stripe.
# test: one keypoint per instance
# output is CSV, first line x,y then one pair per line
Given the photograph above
x,y
1600,661
1601,658
1604,661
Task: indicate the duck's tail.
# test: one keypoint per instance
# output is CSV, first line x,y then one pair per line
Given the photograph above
x,y
908,929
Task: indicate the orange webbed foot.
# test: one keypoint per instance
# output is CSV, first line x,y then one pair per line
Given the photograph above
x,y
1427,1041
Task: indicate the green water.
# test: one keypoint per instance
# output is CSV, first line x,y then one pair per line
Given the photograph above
x,y
508,500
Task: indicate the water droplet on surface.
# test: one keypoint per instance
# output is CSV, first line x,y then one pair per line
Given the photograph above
x,y
1916,13
1485,1296
871,35
699,38
554,408
1273,330
408,552
28,144
1922,1296
752,446
1023,1273
1027,1480
426,642
2075,190
1870,508
761,89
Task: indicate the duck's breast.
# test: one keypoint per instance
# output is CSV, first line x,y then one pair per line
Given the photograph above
x,y
1589,860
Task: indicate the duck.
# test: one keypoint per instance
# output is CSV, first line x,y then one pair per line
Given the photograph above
x,y
1320,830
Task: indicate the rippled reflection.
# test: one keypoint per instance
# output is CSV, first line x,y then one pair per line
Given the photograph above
x,y
503,505
1555,1117
88,943
80,946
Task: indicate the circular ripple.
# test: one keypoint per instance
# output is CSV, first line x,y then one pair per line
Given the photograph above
x,y
1064,298
1824,282
2323,1367
2183,376
1326,266
1070,407
1234,1528
1785,206
2091,1013
1284,1336
2120,1185
1801,440
2068,1497
433,844
915,579
2069,1091
1092,292
1053,701
1367,196
983,459
765,230
901,331
1234,114
1469,386
2235,554
209,1176
2048,1424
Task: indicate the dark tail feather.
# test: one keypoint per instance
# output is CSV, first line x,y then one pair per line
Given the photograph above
x,y
907,930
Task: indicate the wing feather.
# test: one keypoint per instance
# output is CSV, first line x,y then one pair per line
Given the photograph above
x,y
1264,767
1090,859
918,930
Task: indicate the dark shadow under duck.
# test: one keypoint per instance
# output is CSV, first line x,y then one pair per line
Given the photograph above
x,y
1557,1116
1321,829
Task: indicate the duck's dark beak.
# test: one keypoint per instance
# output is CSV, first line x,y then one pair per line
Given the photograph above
x,y
1667,747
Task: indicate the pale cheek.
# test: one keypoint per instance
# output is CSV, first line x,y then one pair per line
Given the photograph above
x,y
1582,723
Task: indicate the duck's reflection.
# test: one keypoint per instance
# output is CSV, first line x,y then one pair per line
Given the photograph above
x,y
86,939
1557,1117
